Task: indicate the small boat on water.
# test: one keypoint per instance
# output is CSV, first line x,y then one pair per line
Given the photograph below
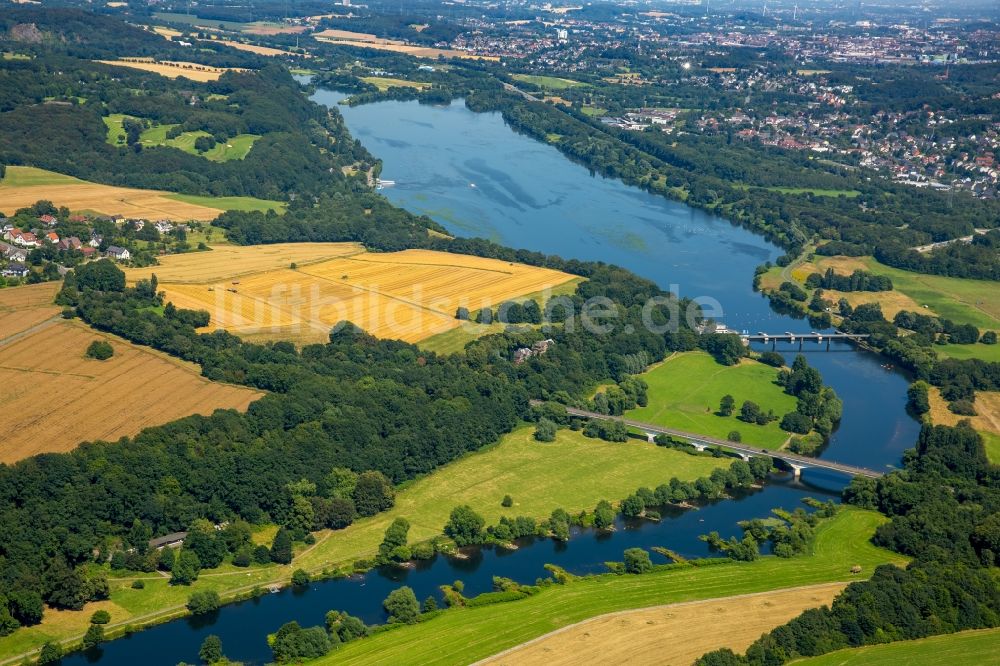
x,y
379,183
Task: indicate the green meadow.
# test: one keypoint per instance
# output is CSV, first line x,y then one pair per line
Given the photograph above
x,y
464,635
685,390
236,148
966,648
549,82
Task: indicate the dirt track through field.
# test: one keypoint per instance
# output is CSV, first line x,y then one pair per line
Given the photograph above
x,y
672,635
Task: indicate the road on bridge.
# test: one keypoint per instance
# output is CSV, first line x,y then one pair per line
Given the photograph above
x,y
793,460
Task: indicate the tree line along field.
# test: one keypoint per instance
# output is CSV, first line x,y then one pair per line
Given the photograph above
x,y
234,148
663,634
23,186
298,292
172,69
464,635
54,397
685,390
591,469
965,648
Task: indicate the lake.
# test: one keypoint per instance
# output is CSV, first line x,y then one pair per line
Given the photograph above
x,y
476,177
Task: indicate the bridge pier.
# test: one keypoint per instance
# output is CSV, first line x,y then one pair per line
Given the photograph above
x,y
796,471
744,456
651,437
698,446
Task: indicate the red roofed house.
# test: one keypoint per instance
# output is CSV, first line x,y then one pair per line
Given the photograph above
x,y
52,237
22,238
48,220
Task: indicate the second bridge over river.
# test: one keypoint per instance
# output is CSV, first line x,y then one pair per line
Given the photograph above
x,y
796,462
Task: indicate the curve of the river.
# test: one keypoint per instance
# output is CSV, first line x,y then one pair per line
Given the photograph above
x,y
475,176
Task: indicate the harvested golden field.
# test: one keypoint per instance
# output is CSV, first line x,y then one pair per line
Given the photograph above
x,y
20,188
54,397
21,308
891,301
370,41
173,69
987,405
168,33
673,635
409,295
259,50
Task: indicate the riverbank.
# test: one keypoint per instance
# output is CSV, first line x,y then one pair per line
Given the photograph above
x,y
588,470
463,635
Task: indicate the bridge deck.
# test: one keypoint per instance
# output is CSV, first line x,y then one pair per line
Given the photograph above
x,y
786,456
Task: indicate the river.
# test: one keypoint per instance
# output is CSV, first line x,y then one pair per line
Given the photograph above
x,y
476,177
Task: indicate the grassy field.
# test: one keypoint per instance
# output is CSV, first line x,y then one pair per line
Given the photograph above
x,y
662,635
549,82
54,397
986,421
818,192
409,295
992,443
23,186
962,300
980,351
235,148
966,648
684,393
370,41
173,69
589,471
464,635
383,83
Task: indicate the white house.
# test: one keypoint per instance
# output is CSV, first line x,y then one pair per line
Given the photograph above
x,y
119,253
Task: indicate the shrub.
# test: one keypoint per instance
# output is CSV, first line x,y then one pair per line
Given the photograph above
x,y
300,578
93,637
637,561
100,617
203,601
796,422
545,431
100,350
51,652
402,606
962,407
465,526
138,585
507,501
734,436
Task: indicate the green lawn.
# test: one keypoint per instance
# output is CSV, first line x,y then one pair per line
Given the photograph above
x,y
549,82
231,203
573,473
383,83
684,393
966,648
236,148
465,635
984,352
32,176
454,340
962,300
191,19
815,191
992,443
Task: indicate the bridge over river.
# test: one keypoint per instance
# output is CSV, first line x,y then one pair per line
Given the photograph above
x,y
796,462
